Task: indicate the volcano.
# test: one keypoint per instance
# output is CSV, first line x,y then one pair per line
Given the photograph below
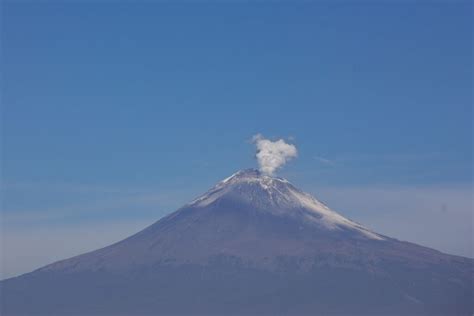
x,y
252,245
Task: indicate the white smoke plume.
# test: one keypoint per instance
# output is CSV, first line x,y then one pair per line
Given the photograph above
x,y
272,155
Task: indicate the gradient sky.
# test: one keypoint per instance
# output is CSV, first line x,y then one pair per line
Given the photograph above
x,y
115,114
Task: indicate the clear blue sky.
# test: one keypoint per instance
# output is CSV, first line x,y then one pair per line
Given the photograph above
x,y
136,108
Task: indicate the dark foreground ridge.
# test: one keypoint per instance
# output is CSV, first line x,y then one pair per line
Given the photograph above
x,y
252,245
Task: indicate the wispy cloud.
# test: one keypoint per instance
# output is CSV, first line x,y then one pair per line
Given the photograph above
x,y
384,158
324,160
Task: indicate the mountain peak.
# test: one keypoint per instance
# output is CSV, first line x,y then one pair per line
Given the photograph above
x,y
253,190
251,175
249,185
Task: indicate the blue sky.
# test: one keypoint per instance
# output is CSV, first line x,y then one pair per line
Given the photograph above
x,y
114,114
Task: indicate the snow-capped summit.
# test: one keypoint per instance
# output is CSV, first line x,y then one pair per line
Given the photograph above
x,y
278,196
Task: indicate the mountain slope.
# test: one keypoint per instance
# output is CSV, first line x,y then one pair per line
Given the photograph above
x,y
251,245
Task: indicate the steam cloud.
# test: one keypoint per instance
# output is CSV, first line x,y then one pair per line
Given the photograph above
x,y
272,155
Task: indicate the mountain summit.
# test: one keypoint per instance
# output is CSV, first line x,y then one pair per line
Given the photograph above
x,y
277,196
252,245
